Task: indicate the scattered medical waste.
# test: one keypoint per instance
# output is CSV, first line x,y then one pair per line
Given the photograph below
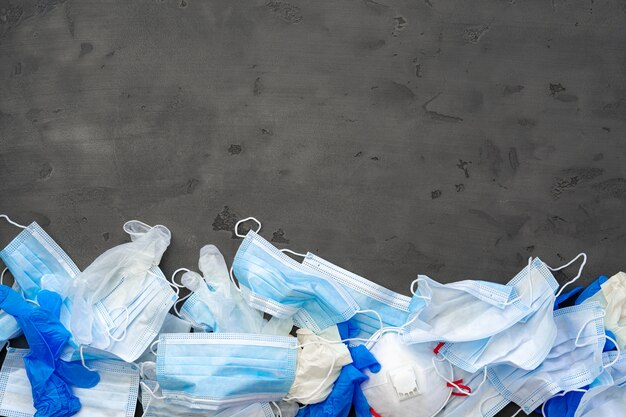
x,y
282,334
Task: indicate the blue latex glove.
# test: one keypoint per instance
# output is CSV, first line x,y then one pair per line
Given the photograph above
x,y
562,406
592,289
339,402
561,299
48,375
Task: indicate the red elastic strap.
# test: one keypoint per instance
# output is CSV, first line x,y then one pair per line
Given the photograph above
x,y
438,348
374,413
459,384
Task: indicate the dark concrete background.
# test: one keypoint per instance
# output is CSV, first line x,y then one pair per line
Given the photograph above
x,y
391,137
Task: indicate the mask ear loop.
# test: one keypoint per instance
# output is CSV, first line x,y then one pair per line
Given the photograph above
x,y
321,385
232,279
413,290
580,270
2,275
152,347
278,412
303,255
82,359
152,395
4,216
377,314
243,221
455,385
543,406
127,322
178,287
619,350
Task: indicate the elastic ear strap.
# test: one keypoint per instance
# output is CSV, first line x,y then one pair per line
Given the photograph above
x,y
279,412
152,347
232,279
619,352
82,359
8,219
303,255
126,323
2,275
245,220
580,270
413,289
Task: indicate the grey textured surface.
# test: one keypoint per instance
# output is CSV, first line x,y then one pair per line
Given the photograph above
x,y
453,139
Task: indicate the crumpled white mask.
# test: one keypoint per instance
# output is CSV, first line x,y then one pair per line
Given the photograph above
x,y
318,365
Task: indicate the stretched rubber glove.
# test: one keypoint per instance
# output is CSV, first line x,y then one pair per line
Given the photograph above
x,y
339,402
592,289
362,359
46,336
228,308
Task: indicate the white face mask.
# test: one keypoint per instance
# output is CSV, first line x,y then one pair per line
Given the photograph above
x,y
408,384
114,396
318,365
613,299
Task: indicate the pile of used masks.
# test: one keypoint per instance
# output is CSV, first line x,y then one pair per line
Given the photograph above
x,y
276,336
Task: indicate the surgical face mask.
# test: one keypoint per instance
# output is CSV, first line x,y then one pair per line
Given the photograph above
x,y
33,258
409,383
114,396
218,370
155,405
574,361
131,328
525,344
461,311
196,311
278,285
128,263
171,324
601,399
376,302
613,298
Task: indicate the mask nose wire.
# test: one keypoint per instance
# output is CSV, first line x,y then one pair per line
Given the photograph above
x,y
580,270
8,219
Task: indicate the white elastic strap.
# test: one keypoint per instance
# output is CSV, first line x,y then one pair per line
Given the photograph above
x,y
413,290
376,313
319,387
278,412
82,359
232,279
2,275
152,395
4,216
543,406
518,411
294,252
580,270
176,284
127,322
176,310
463,390
619,352
152,347
583,328
245,220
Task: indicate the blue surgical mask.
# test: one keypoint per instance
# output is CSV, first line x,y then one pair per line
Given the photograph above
x,y
461,311
526,343
114,396
278,285
33,257
377,302
198,313
574,361
218,370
